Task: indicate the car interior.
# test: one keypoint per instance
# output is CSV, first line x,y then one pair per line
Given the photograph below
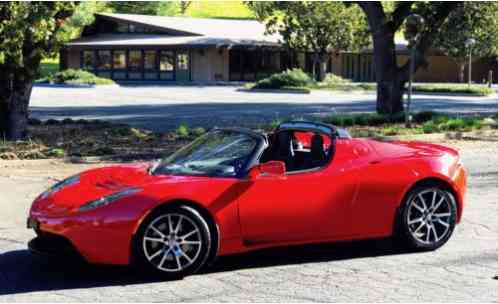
x,y
299,150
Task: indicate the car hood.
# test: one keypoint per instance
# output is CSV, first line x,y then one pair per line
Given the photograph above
x,y
100,182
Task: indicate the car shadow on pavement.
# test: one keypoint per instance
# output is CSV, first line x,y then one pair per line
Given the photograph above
x,y
22,272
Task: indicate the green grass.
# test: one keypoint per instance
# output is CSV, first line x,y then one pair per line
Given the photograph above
x,y
455,88
48,67
219,9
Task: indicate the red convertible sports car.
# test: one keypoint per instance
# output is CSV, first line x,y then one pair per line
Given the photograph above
x,y
234,190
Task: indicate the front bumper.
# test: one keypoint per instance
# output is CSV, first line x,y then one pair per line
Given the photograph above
x,y
96,239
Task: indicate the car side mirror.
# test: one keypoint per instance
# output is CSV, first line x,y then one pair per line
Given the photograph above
x,y
271,168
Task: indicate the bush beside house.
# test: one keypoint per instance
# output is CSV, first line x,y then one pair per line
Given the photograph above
x,y
75,77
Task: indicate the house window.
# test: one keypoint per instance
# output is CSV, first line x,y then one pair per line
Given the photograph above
x,y
166,61
88,60
119,60
104,60
150,60
122,28
182,61
135,60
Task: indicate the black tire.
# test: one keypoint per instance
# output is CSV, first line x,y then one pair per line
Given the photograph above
x,y
145,261
411,233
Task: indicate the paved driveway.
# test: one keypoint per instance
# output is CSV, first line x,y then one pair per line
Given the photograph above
x,y
464,270
162,108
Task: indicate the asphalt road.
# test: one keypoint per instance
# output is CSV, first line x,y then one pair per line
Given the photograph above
x,y
464,270
162,108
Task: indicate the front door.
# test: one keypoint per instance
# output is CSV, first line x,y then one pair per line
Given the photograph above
x,y
182,66
300,206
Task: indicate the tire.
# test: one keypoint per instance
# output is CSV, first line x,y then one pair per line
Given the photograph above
x,y
427,218
176,253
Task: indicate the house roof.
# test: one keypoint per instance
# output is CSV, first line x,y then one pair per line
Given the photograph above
x,y
189,31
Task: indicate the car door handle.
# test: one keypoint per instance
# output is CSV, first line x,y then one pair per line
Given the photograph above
x,y
373,162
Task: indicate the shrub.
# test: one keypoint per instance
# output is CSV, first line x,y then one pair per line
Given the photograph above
x,y
429,127
453,125
455,88
198,131
332,79
52,122
67,121
182,131
120,131
56,152
289,78
72,76
34,122
423,116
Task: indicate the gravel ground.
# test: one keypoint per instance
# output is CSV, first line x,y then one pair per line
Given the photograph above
x,y
464,270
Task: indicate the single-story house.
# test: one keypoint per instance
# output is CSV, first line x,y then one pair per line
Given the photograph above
x,y
127,47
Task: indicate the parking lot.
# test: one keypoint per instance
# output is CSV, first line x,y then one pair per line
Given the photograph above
x,y
464,270
164,108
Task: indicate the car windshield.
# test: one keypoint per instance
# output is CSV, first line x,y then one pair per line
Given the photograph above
x,y
217,153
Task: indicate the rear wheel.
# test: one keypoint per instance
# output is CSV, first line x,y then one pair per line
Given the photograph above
x,y
428,218
173,242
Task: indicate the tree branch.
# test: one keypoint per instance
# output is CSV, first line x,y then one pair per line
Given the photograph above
x,y
403,9
375,14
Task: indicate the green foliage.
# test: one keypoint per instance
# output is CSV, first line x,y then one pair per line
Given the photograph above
x,y
182,131
136,7
198,131
82,17
332,79
478,90
28,32
48,67
289,78
218,9
423,116
72,76
430,127
316,26
477,20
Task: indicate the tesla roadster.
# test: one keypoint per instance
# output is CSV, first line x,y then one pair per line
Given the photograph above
x,y
234,190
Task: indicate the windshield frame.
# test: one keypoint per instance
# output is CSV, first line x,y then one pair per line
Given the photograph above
x,y
261,144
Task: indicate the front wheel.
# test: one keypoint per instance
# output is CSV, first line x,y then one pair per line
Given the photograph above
x,y
172,243
428,218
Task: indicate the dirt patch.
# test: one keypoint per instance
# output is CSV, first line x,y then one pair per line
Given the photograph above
x,y
70,139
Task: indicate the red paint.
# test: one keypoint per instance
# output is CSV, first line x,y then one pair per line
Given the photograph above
x,y
355,196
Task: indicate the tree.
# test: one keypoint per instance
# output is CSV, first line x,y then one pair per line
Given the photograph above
x,y
28,32
83,16
390,77
477,20
319,27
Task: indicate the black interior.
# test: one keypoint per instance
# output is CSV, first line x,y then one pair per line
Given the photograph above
x,y
285,147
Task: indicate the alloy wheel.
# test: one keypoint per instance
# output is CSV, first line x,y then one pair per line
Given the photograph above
x,y
172,242
429,216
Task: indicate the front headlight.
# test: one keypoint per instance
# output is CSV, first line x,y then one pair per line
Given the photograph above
x,y
108,199
60,185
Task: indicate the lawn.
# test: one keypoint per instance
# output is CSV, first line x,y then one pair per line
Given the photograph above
x,y
48,67
219,9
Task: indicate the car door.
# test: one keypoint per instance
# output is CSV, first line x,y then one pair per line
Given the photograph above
x,y
300,206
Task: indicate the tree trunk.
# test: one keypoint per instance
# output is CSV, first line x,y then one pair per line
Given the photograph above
x,y
390,79
322,66
461,72
14,105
